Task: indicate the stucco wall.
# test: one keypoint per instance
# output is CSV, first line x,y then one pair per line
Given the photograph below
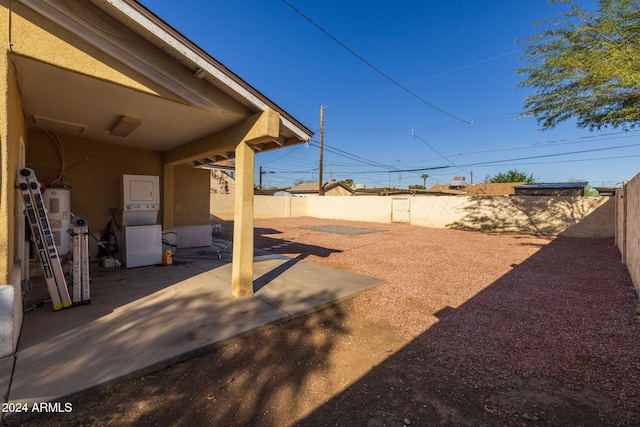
x,y
190,207
279,207
221,206
560,215
628,227
96,183
363,208
566,216
12,130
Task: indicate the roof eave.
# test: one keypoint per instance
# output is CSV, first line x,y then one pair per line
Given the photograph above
x,y
206,63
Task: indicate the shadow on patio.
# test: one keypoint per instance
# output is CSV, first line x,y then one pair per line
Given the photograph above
x,y
143,319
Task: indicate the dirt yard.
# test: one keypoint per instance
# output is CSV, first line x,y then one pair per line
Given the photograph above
x,y
470,329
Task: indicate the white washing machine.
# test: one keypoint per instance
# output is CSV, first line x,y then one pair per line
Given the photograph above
x,y
140,206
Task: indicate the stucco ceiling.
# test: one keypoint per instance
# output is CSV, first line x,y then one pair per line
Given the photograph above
x,y
68,102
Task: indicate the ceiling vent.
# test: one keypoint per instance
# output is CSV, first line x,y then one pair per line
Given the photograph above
x,y
47,123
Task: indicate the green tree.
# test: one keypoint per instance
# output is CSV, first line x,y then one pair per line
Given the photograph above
x,y
585,65
424,177
348,182
513,176
588,190
417,187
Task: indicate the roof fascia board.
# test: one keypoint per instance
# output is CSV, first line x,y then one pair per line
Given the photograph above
x,y
203,61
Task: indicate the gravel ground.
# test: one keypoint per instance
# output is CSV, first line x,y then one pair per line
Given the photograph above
x,y
469,329
503,306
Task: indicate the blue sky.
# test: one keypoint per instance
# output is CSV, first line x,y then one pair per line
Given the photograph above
x,y
458,60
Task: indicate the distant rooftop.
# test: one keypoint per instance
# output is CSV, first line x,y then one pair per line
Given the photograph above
x,y
554,185
481,189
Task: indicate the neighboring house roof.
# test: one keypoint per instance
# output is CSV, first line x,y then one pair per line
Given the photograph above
x,y
606,191
181,93
553,185
481,189
391,191
312,187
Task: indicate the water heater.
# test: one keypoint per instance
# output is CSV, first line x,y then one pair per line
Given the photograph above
x,y
57,201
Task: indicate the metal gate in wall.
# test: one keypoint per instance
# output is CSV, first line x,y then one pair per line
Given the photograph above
x,y
400,209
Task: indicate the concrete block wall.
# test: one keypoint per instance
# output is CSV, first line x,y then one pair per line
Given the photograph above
x,y
279,207
563,215
628,227
361,208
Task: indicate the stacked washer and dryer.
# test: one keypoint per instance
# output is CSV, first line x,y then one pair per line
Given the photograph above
x,y
142,236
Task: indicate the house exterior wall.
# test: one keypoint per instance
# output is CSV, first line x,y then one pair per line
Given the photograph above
x,y
96,183
628,227
566,216
191,206
12,130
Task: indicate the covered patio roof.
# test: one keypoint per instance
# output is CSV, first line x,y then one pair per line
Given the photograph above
x,y
115,72
194,95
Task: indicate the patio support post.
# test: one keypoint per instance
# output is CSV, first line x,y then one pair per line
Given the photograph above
x,y
242,267
265,128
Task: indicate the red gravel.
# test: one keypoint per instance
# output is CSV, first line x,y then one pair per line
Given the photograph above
x,y
469,329
502,306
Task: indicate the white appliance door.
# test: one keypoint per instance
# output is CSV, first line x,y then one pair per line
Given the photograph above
x,y
143,245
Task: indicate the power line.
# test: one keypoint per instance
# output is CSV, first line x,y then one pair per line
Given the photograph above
x,y
415,135
551,155
578,160
443,127
351,156
370,65
444,73
494,162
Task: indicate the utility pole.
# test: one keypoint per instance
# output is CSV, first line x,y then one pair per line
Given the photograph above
x,y
260,187
320,193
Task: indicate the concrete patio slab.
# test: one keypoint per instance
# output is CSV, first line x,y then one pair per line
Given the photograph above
x,y
6,370
144,319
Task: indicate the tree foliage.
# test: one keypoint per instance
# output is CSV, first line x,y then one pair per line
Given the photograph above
x,y
588,190
348,182
424,177
513,176
586,65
